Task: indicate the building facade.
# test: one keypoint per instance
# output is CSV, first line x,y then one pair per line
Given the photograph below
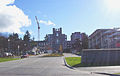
x,y
68,45
56,39
104,38
76,40
76,35
42,45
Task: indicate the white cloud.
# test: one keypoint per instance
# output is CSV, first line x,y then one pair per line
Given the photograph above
x,y
47,22
12,18
31,32
6,2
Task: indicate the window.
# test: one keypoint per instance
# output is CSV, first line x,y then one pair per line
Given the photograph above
x,y
57,34
57,41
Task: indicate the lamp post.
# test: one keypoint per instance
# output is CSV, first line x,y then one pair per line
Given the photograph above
x,y
18,49
24,46
9,45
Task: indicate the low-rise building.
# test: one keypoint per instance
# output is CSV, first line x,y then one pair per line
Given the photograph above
x,y
76,35
104,38
79,41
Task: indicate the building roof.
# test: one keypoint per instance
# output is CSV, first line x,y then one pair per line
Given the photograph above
x,y
97,31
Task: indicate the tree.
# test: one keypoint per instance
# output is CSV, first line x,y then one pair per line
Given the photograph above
x,y
84,41
13,37
27,36
13,42
77,45
27,40
3,42
16,37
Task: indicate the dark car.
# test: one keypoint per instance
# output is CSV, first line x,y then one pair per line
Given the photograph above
x,y
25,55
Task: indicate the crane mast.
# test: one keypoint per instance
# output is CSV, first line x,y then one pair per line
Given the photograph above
x,y
38,28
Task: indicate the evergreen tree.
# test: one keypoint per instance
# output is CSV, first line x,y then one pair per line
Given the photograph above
x,y
27,36
13,37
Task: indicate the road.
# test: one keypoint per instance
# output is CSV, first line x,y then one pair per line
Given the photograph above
x,y
39,66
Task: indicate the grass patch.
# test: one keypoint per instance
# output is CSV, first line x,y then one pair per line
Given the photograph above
x,y
8,59
53,55
117,73
73,61
76,62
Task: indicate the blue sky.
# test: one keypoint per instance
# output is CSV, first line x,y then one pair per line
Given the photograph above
x,y
72,15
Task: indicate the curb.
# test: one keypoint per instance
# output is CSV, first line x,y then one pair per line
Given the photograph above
x,y
67,64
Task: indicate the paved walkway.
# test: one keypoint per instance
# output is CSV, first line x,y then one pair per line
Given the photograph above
x,y
70,55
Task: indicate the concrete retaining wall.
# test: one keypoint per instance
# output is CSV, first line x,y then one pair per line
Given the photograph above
x,y
101,56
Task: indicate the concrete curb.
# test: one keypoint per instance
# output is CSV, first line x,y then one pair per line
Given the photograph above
x,y
67,64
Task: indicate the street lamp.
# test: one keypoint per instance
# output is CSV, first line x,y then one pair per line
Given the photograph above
x,y
25,46
18,49
9,45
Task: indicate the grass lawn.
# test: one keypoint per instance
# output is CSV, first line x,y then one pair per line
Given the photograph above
x,y
73,61
53,55
8,59
117,73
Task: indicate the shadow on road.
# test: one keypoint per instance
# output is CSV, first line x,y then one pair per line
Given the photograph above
x,y
107,74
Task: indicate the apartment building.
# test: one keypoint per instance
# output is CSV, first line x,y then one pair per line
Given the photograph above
x,y
104,38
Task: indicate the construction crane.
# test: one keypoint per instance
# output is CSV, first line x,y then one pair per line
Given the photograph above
x,y
38,28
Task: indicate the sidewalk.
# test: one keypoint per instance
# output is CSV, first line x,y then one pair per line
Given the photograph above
x,y
101,69
70,55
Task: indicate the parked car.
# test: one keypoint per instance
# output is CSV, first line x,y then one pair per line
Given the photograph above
x,y
45,51
24,55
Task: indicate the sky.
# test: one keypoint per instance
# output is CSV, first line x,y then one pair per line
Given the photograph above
x,y
72,15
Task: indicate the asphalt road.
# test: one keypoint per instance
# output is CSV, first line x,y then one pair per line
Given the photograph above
x,y
38,66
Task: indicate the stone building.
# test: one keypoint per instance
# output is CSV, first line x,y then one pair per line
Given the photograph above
x,y
56,39
76,35
76,40
68,44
